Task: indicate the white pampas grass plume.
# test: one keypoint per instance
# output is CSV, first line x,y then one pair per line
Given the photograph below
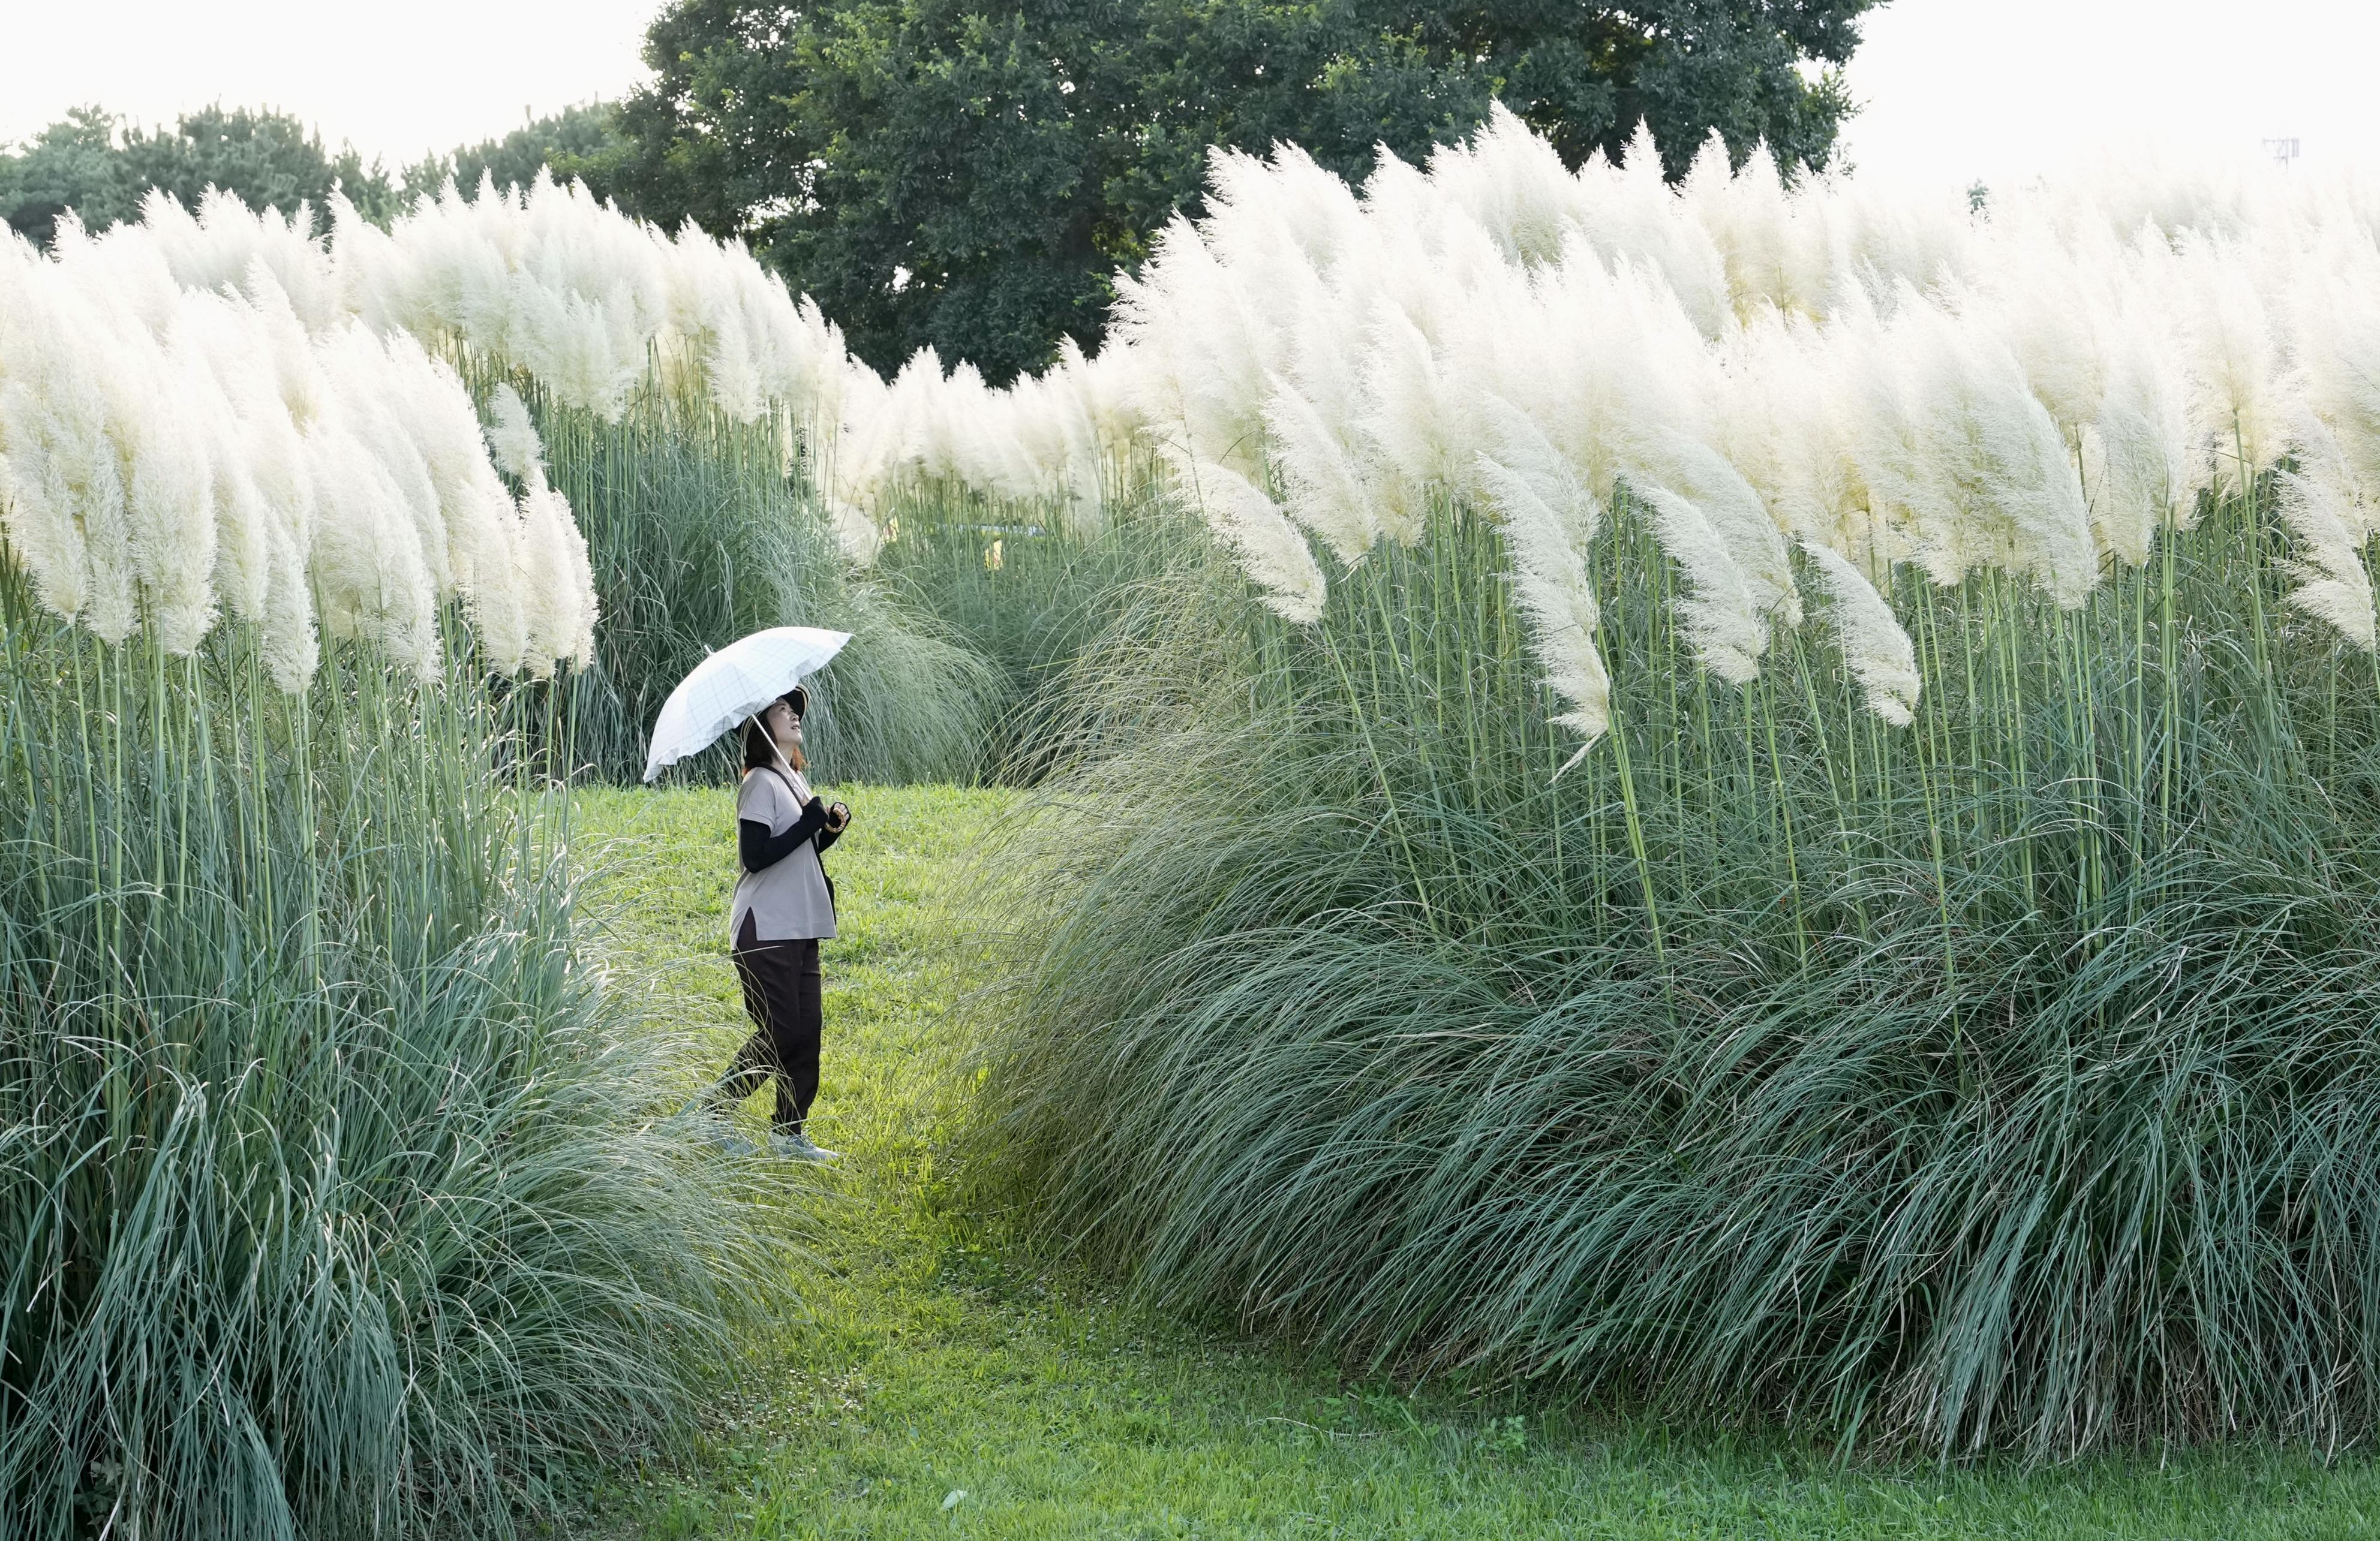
x,y
1524,451
2244,401
1422,423
560,597
1270,551
2042,492
171,507
480,541
1875,649
280,468
1722,623
375,380
1551,583
152,548
2050,306
1785,423
1631,215
1511,182
117,418
176,441
512,438
2318,505
1774,243
237,395
367,564
1326,493
55,458
1203,343
232,249
264,374
1736,513
1962,452
2335,343
2136,453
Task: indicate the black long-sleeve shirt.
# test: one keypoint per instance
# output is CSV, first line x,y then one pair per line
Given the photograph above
x,y
760,850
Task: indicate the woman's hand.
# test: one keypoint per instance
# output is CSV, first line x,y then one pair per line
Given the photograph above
x,y
838,816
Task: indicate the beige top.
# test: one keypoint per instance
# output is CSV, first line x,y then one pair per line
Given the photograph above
x,y
789,899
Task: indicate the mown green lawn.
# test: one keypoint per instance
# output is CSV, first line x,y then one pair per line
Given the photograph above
x,y
937,1385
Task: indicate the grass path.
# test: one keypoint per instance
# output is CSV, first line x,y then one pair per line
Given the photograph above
x,y
937,1386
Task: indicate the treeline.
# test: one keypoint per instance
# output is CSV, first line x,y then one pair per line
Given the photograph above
x,y
95,164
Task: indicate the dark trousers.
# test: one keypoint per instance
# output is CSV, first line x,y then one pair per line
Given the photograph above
x,y
782,991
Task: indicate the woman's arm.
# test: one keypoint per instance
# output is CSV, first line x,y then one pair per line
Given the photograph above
x,y
833,831
760,850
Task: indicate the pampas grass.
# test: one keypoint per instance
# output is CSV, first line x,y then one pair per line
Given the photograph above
x,y
170,455
697,537
1818,862
331,1189
1948,1038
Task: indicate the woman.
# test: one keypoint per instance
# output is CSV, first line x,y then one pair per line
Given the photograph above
x,y
783,908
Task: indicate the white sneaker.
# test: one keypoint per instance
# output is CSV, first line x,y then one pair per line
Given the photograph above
x,y
797,1148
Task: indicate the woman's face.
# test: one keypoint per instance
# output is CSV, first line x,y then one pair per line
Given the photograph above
x,y
783,726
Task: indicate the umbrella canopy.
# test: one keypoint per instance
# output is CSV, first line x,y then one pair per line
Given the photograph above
x,y
731,685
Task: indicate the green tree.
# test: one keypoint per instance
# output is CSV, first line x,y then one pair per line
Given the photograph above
x,y
91,164
966,174
73,163
580,142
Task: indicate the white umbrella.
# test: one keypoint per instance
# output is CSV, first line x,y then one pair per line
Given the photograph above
x,y
731,685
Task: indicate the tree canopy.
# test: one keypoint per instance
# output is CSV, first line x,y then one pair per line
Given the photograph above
x,y
966,173
92,164
578,141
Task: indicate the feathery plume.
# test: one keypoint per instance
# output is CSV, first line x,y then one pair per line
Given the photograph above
x,y
1875,647
172,451
1325,493
2334,339
1722,623
1551,583
854,532
60,469
561,609
2319,505
2236,360
2136,452
1270,551
512,438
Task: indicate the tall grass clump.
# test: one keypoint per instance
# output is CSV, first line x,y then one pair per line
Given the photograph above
x,y
329,1200
678,398
1028,591
696,535
1806,860
2001,1079
330,1194
684,399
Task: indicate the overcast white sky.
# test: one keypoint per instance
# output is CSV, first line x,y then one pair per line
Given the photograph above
x,y
2006,89
397,78
1955,89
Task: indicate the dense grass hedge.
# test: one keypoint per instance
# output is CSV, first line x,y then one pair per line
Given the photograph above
x,y
697,536
2009,1079
330,1200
